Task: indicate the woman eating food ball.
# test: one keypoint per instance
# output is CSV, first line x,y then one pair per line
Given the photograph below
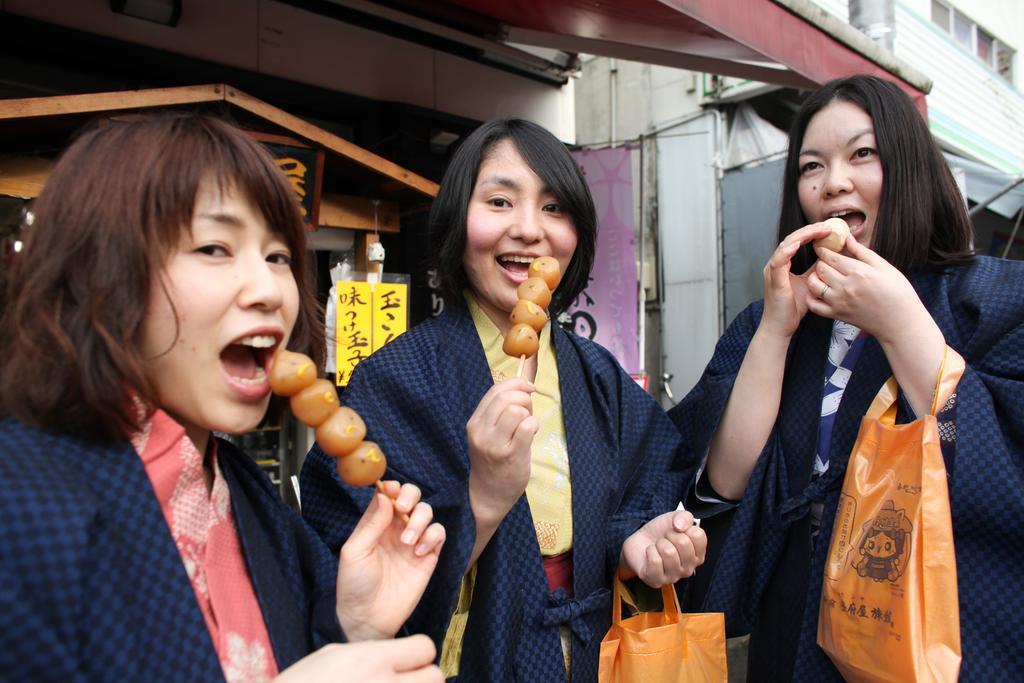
x,y
778,408
164,267
547,484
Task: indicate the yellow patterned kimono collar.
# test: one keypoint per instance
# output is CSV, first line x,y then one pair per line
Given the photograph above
x,y
501,364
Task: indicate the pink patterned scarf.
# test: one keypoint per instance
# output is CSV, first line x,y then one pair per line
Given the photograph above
x,y
203,528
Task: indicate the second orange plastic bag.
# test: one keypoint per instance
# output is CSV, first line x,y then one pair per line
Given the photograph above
x,y
663,647
889,608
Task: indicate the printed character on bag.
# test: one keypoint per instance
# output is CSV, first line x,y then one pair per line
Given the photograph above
x,y
884,546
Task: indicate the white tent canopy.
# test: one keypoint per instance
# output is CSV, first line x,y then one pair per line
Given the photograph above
x,y
752,139
982,181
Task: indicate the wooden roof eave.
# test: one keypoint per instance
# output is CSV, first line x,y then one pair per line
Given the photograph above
x,y
126,100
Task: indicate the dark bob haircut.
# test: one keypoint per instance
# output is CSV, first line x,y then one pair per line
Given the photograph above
x,y
112,212
922,218
552,163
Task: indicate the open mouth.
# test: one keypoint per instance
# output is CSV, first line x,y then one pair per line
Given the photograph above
x,y
245,360
515,263
854,219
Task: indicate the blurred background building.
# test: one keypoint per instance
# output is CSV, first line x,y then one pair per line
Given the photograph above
x,y
710,149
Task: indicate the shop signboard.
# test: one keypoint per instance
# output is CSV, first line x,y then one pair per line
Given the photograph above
x,y
368,316
303,166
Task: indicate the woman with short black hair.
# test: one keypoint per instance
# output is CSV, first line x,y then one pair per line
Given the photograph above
x,y
559,174
522,589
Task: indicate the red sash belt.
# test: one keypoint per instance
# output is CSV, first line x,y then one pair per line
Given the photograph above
x,y
559,572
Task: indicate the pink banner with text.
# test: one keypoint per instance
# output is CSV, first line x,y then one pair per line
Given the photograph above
x,y
606,310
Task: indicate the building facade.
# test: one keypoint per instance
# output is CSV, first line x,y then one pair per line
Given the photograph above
x,y
709,149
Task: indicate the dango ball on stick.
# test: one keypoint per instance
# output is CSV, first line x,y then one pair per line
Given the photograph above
x,y
836,240
339,430
520,341
315,403
341,433
547,269
291,372
363,466
529,313
535,290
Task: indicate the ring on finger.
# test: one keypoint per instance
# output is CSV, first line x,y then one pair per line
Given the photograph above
x,y
824,291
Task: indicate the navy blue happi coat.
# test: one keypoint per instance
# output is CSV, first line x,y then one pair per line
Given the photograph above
x,y
768,573
416,395
92,587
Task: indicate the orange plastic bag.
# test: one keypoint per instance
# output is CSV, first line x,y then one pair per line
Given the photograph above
x,y
889,608
662,647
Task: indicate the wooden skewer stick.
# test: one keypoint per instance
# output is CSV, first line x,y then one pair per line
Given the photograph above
x,y
522,364
380,487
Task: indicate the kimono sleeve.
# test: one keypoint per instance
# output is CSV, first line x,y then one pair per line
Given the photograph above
x,y
985,324
698,414
421,448
320,568
989,400
37,643
56,544
647,453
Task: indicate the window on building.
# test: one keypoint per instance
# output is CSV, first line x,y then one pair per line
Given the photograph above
x,y
940,15
984,47
962,29
1004,61
995,54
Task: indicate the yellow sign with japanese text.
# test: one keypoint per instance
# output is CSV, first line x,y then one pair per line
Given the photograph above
x,y
390,312
354,327
367,318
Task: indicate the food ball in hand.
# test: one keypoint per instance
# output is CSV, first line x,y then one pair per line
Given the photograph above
x,y
315,403
547,269
340,433
291,372
836,240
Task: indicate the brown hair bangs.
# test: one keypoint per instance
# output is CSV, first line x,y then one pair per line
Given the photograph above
x,y
111,213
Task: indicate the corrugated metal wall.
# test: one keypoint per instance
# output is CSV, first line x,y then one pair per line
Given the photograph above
x,y
751,198
688,233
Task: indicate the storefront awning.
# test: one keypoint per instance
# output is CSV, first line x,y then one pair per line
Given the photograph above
x,y
785,42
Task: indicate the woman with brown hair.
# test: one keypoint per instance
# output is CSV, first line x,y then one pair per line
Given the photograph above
x,y
164,268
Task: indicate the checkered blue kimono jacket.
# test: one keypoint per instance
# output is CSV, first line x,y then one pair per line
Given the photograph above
x,y
92,587
768,573
416,395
